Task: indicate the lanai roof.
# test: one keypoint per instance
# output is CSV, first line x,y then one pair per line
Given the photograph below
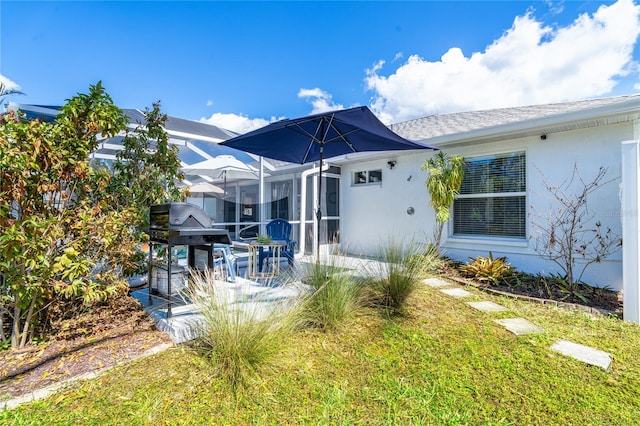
x,y
196,141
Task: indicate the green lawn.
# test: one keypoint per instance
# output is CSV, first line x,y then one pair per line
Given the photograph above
x,y
442,363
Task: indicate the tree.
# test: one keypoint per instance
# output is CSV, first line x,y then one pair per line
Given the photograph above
x,y
68,231
6,91
45,228
445,174
148,168
568,233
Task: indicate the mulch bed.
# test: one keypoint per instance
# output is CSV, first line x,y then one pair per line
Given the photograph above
x,y
533,288
100,339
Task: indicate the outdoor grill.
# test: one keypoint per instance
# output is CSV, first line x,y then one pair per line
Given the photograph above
x,y
181,224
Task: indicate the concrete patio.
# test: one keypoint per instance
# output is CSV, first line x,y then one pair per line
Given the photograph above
x,y
177,315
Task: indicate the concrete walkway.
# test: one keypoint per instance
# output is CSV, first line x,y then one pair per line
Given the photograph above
x,y
522,327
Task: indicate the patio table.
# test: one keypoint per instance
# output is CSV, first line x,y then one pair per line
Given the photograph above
x,y
255,250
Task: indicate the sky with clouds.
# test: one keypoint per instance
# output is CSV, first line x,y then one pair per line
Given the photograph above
x,y
284,59
530,63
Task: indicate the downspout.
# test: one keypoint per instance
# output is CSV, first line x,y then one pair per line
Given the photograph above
x,y
303,206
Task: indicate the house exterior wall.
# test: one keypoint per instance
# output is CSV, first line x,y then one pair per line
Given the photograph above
x,y
374,214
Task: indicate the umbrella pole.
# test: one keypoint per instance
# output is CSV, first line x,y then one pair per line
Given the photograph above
x,y
225,184
319,211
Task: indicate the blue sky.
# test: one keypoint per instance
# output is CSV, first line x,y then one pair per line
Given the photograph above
x,y
241,64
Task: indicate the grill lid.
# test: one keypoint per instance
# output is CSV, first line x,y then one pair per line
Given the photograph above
x,y
178,216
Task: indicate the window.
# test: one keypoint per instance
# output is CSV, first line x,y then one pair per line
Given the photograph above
x,y
281,199
492,200
375,176
365,177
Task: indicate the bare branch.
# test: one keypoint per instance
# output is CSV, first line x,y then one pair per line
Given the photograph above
x,y
568,232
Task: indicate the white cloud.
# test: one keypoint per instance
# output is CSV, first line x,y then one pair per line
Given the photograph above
x,y
320,100
209,103
8,84
555,7
235,122
531,63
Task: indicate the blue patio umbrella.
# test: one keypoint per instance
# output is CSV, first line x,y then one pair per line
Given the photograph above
x,y
322,136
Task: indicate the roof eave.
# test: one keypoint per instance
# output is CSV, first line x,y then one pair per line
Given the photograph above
x,y
623,111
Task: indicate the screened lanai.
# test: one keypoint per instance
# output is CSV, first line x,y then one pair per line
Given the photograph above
x,y
246,204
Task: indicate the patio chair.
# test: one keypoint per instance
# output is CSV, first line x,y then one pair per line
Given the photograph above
x,y
226,260
279,230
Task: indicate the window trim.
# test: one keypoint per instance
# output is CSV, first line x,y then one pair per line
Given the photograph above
x,y
367,173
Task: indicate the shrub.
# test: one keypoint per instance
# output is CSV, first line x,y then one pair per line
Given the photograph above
x,y
430,261
570,235
241,337
488,269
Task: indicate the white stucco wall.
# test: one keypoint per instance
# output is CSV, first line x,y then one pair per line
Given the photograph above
x,y
373,214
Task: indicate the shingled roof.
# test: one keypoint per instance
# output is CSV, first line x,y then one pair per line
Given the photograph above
x,y
520,121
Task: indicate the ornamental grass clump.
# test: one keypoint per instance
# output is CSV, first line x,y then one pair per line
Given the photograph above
x,y
242,336
395,276
332,295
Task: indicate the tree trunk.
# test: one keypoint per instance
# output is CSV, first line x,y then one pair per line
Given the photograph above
x,y
15,332
438,233
27,322
2,336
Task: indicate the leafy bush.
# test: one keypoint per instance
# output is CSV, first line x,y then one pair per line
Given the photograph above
x,y
579,290
53,236
241,337
488,269
333,295
71,226
430,261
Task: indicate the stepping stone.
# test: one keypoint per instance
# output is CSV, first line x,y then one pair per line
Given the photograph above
x,y
435,282
583,353
520,326
487,306
456,292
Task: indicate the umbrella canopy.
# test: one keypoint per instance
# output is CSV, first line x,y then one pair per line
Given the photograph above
x,y
320,136
222,166
202,188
